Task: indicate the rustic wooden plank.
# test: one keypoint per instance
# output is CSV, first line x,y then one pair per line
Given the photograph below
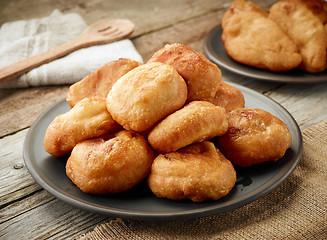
x,y
146,14
306,103
24,205
16,182
20,107
41,217
140,11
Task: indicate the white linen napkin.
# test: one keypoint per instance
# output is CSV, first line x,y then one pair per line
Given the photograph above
x,y
22,39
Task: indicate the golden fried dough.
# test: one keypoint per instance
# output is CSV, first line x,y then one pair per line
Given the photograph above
x,y
199,172
196,122
87,119
254,136
110,163
306,31
255,40
228,97
318,7
99,83
145,95
201,75
241,5
247,6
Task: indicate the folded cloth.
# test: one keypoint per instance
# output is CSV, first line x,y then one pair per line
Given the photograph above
x,y
22,39
295,210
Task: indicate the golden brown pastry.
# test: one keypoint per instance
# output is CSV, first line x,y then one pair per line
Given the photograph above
x,y
317,7
306,31
252,39
241,5
89,118
228,97
111,163
145,95
199,172
254,136
201,75
196,122
99,83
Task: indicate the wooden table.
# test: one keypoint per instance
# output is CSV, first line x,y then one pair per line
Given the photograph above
x,y
28,211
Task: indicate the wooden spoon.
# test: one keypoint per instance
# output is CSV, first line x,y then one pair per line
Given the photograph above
x,y
100,32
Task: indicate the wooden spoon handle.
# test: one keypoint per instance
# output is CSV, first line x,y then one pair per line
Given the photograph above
x,y
28,64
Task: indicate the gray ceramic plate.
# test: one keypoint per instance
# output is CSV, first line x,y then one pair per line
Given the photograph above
x,y
140,203
215,51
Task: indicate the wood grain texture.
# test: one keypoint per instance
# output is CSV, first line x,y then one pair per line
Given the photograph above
x,y
306,103
40,217
15,180
146,14
20,107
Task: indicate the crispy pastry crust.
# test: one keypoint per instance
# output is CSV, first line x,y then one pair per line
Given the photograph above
x,y
196,122
228,97
317,7
100,82
241,5
87,119
201,75
199,172
253,39
254,136
111,163
306,30
145,95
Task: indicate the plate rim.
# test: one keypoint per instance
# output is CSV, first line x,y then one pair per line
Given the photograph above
x,y
213,56
180,214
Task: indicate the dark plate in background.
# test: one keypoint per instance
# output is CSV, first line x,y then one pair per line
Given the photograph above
x,y
215,51
140,203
